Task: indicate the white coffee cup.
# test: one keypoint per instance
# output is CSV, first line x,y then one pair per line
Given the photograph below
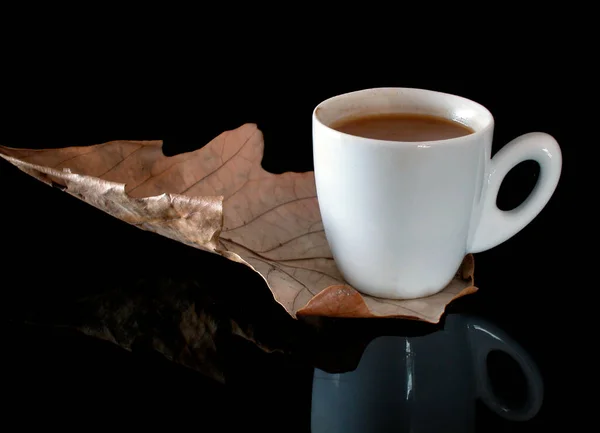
x,y
400,216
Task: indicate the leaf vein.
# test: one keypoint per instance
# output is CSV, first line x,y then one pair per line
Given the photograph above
x,y
268,258
290,240
269,210
220,166
120,162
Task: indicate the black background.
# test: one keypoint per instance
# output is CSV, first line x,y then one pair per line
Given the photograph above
x,y
534,286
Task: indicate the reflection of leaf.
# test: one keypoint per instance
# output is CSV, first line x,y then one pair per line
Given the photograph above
x,y
221,200
172,317
181,318
178,318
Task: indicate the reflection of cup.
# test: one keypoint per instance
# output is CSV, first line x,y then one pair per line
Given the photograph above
x,y
425,384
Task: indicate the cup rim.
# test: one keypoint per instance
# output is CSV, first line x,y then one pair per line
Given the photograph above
x,y
376,141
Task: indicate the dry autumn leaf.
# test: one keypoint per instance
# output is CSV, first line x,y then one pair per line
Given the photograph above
x,y
221,200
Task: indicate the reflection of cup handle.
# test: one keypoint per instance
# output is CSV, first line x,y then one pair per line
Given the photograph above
x,y
485,338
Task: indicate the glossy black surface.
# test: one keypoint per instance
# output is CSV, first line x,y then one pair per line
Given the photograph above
x,y
57,250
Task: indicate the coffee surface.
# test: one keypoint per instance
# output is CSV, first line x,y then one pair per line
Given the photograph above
x,y
402,127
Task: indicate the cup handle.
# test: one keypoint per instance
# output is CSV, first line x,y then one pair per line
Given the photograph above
x,y
484,338
496,226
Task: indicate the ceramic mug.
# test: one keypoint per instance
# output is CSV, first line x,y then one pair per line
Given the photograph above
x,y
400,216
425,384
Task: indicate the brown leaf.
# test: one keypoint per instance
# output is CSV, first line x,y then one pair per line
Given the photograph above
x,y
221,200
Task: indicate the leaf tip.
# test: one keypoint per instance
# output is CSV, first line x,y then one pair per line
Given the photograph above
x,y
336,301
